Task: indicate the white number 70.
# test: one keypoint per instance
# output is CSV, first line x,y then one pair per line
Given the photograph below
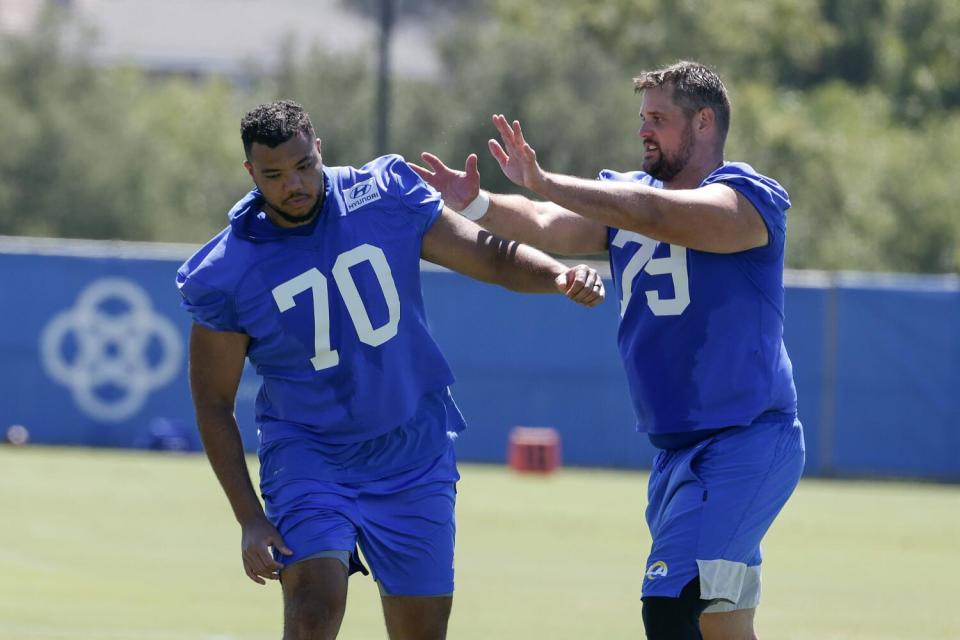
x,y
311,279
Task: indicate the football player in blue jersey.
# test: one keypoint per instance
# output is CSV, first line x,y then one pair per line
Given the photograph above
x,y
316,281
696,247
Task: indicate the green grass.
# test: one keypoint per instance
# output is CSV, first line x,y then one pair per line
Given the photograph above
x,y
107,545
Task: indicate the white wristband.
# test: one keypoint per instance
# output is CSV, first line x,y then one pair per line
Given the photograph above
x,y
477,207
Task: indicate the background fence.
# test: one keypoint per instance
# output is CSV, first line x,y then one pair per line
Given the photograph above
x,y
93,352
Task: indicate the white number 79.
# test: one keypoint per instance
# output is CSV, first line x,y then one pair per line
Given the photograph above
x,y
675,264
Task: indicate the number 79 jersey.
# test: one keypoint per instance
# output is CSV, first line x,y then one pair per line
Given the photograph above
x,y
334,309
701,334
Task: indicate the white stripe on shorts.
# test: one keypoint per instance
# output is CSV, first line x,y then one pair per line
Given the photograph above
x,y
733,585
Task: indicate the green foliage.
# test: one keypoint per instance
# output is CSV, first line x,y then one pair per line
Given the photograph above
x,y
564,111
868,194
106,153
774,41
853,106
339,94
907,48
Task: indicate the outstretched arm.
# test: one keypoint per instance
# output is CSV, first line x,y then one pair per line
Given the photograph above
x,y
216,364
540,224
713,218
459,244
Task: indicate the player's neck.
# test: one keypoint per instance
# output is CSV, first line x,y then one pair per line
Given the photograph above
x,y
695,172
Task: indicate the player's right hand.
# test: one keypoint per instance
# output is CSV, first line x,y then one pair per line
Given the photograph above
x,y
458,188
582,284
256,539
517,159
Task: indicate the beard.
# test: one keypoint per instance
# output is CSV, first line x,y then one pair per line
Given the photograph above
x,y
668,167
302,218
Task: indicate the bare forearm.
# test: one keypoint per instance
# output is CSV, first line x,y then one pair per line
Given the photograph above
x,y
620,205
519,267
461,245
224,448
544,225
517,218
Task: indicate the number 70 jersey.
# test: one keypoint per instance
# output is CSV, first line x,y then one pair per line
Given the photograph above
x,y
701,334
333,309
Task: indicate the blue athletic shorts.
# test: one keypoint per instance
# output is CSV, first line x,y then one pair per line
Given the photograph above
x,y
403,523
710,505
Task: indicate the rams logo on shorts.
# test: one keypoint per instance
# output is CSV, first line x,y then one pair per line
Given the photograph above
x,y
657,570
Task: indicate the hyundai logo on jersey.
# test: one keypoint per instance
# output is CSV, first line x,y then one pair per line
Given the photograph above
x,y
362,193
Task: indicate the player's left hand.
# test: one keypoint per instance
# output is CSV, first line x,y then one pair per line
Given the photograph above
x,y
516,157
582,284
257,537
458,188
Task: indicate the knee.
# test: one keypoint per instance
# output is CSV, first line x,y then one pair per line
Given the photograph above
x,y
313,614
312,618
417,617
314,599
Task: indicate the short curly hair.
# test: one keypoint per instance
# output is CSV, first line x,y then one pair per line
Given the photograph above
x,y
274,123
694,87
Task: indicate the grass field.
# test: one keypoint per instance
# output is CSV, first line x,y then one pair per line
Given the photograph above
x,y
107,545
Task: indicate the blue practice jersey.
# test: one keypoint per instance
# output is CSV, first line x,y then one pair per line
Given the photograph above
x,y
333,309
701,334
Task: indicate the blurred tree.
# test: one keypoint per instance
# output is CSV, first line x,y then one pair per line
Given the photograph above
x,y
105,153
909,49
338,92
838,146
407,9
855,107
774,41
568,111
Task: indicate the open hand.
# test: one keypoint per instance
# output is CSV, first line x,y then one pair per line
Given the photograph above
x,y
582,284
257,537
516,158
458,188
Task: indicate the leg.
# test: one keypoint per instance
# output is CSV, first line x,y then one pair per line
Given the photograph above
x,y
709,507
408,539
417,617
314,599
725,620
316,518
728,625
677,618
737,579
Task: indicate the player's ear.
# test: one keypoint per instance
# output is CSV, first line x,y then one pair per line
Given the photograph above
x,y
318,143
248,167
705,119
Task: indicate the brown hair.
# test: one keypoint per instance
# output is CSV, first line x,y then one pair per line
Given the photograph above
x,y
273,124
694,87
